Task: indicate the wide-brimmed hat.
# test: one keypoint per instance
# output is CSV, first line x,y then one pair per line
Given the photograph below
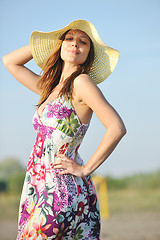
x,y
105,58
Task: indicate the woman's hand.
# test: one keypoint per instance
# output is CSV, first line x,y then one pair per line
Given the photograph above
x,y
69,166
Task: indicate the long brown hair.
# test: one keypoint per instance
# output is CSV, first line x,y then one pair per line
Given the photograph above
x,y
52,71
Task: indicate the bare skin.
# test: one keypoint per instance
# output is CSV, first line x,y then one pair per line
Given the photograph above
x,y
87,98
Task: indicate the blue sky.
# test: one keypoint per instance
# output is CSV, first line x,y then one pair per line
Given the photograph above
x,y
132,27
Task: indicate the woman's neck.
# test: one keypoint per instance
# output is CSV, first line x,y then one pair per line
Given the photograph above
x,y
67,70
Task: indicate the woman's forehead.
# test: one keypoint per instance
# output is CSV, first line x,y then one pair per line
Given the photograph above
x,y
78,32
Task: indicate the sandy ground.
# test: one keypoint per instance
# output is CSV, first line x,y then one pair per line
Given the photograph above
x,y
141,226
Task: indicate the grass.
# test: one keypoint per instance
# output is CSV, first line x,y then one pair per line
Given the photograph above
x,y
9,204
137,181
120,201
131,201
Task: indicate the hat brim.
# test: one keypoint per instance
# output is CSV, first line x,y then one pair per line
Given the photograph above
x,y
44,43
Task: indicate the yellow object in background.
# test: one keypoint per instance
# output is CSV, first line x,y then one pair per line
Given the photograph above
x,y
101,189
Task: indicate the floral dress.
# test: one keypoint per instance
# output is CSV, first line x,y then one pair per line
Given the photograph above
x,y
57,206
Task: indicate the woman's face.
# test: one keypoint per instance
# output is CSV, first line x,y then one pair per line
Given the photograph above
x,y
75,47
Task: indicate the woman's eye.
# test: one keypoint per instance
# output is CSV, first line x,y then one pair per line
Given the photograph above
x,y
83,42
68,39
71,39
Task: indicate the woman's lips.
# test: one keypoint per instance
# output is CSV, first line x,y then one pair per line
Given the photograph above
x,y
74,52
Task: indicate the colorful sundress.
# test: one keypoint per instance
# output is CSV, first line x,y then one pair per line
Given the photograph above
x,y
57,206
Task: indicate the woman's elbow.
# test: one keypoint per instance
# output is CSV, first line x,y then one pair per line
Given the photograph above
x,y
121,130
118,131
5,60
7,63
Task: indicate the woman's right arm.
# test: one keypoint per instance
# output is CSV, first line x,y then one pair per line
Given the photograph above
x,y
15,61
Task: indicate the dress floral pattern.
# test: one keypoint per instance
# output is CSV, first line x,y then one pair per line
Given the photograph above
x,y
57,206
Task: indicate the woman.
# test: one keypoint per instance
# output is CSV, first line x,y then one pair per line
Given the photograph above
x,y
58,198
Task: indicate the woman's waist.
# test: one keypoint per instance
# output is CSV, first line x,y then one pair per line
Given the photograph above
x,y
49,148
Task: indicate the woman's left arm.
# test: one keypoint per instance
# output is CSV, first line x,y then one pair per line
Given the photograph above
x,y
93,97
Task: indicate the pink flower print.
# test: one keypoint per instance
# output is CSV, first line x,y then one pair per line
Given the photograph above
x,y
60,233
39,176
49,131
26,234
52,110
24,217
38,147
46,131
57,203
31,161
58,111
63,112
24,213
64,196
35,124
39,230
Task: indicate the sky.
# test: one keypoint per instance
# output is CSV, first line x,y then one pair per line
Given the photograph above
x,y
133,89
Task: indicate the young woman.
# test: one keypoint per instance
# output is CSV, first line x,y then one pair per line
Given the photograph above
x,y
58,198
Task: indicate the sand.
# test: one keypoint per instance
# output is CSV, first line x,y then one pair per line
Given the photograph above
x,y
138,226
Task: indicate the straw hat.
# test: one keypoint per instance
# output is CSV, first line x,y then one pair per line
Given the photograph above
x,y
105,59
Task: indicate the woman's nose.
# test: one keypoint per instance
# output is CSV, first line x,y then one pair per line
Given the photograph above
x,y
75,43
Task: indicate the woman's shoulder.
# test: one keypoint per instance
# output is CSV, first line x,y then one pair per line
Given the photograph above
x,y
84,85
83,80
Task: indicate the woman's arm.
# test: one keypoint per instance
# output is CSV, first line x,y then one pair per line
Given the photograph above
x,y
93,97
15,61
